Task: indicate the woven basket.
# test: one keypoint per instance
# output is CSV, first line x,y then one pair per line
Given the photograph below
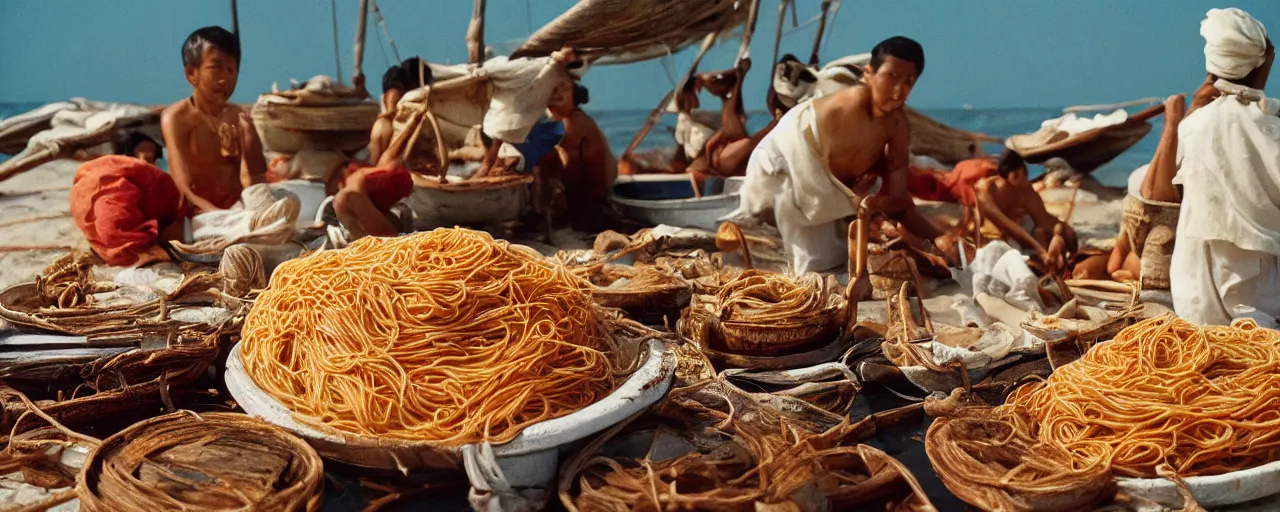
x,y
1151,226
670,294
208,461
753,339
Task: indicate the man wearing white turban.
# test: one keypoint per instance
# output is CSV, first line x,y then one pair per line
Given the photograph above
x,y
1226,261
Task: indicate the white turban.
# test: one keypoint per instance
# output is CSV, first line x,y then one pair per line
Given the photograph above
x,y
1234,43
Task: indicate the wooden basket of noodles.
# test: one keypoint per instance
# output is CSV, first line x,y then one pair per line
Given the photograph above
x,y
761,313
639,291
758,313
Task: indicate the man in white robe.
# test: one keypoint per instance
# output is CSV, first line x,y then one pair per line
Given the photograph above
x,y
1226,261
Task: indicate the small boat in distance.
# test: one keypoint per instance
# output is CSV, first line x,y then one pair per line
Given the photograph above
x,y
1086,150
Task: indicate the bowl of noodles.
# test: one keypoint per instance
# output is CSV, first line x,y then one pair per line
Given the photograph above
x,y
399,352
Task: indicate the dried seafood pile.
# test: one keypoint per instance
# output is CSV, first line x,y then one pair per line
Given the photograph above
x,y
214,461
762,313
712,448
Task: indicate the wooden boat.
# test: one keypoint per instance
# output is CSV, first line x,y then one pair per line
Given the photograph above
x,y
60,130
653,199
1085,151
286,128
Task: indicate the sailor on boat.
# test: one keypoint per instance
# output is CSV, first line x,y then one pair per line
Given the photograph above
x,y
1226,262
729,149
806,171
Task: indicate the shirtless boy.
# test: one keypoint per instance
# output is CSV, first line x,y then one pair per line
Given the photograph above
x,y
850,136
214,151
1008,197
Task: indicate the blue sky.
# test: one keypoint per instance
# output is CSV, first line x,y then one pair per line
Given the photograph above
x,y
985,53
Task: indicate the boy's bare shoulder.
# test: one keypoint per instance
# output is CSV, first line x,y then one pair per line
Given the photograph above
x,y
177,114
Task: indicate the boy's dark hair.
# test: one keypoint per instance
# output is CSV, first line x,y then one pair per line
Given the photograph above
x,y
127,142
901,47
1010,162
416,73
581,96
214,36
395,78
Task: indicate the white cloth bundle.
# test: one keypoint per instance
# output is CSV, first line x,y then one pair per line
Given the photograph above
x,y
788,175
1234,43
521,90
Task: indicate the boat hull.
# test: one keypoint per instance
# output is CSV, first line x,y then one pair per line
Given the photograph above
x,y
289,128
1087,156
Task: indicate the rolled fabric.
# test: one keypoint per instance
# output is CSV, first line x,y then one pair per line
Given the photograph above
x,y
1234,43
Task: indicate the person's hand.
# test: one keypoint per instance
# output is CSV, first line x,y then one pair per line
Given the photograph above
x,y
1175,107
358,81
247,133
565,55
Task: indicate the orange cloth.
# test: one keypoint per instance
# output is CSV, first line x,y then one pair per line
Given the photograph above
x,y
385,185
121,204
957,186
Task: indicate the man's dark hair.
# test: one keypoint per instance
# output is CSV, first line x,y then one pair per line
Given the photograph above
x,y
216,37
127,142
416,73
1010,162
581,96
395,78
901,47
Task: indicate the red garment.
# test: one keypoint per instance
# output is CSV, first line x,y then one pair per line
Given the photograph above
x,y
121,204
385,186
957,185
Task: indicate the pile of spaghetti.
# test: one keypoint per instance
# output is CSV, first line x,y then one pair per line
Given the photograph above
x,y
764,297
1165,391
447,336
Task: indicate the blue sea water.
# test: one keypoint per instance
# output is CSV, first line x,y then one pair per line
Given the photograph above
x,y
620,126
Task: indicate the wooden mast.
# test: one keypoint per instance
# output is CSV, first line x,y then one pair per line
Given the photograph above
x,y
749,31
656,113
777,34
235,21
817,39
362,21
475,34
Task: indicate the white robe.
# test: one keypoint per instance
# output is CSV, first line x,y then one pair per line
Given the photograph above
x,y
1226,262
788,175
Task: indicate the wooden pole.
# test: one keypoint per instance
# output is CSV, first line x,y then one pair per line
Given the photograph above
x,y
362,21
656,113
777,34
235,21
475,34
749,31
337,54
817,39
